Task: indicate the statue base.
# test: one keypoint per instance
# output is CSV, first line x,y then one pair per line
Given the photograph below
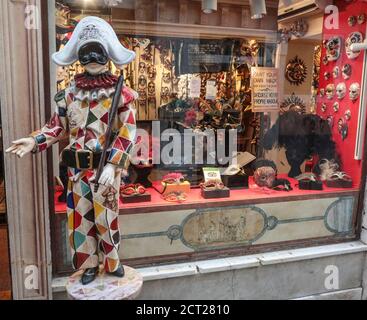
x,y
106,286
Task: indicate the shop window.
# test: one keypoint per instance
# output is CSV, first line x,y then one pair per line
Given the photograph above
x,y
217,87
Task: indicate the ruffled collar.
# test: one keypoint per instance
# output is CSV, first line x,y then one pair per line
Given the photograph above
x,y
92,95
86,81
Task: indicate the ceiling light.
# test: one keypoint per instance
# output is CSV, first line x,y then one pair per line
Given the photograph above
x,y
257,8
209,6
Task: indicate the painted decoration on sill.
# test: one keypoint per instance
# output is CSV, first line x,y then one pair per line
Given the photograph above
x,y
354,37
293,103
296,71
216,228
228,227
333,47
264,84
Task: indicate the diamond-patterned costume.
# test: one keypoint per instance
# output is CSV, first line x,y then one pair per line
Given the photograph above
x,y
82,111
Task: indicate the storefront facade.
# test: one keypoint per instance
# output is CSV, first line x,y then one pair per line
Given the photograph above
x,y
252,233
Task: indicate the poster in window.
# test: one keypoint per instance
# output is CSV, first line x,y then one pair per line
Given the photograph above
x,y
264,84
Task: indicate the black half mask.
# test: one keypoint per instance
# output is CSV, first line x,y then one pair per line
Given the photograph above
x,y
92,52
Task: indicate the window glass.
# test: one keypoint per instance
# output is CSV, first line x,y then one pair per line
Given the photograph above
x,y
246,136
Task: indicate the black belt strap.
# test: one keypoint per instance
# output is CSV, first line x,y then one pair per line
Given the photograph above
x,y
82,159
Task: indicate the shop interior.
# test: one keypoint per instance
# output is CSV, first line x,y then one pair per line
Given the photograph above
x,y
164,77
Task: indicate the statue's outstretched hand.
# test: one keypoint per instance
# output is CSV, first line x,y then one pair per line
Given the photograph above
x,y
22,147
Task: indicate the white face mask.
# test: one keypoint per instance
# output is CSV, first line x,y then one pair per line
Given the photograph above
x,y
354,37
354,91
347,71
333,46
330,91
341,90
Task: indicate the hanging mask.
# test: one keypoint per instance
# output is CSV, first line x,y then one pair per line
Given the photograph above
x,y
323,107
354,37
265,173
330,120
336,72
322,92
142,67
361,18
336,106
343,128
325,60
166,78
151,88
352,20
333,46
347,71
330,91
341,90
348,115
151,72
354,91
326,75
142,83
296,71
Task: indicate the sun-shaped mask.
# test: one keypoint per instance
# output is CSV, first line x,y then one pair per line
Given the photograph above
x,y
293,103
296,71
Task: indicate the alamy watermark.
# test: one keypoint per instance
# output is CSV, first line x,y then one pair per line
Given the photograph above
x,y
331,282
174,147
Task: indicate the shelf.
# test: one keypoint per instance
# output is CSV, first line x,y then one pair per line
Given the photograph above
x,y
252,196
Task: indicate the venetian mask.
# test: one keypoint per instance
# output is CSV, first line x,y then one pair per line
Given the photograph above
x,y
265,176
296,71
166,78
347,71
352,20
341,90
151,88
348,115
152,72
330,91
323,107
336,72
326,75
336,106
142,67
354,91
343,128
330,120
322,92
333,46
361,18
142,83
354,37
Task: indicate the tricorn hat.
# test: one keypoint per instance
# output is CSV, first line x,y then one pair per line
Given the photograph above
x,y
94,29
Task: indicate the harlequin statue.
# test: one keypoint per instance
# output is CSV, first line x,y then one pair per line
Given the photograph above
x,y
82,112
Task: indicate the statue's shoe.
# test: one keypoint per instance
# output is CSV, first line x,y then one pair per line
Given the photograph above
x,y
120,272
89,275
